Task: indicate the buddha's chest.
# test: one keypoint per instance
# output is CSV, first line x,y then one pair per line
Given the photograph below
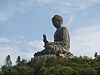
x,y
57,35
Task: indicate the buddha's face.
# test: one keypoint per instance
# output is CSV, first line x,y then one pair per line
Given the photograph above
x,y
56,23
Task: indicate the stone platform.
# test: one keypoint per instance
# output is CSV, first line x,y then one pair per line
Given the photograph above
x,y
53,53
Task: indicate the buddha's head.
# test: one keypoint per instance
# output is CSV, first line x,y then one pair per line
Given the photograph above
x,y
57,21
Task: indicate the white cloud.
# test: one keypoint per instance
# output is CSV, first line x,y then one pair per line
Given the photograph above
x,y
70,20
6,50
76,3
68,6
7,40
45,1
3,16
15,48
4,40
11,7
85,41
14,52
36,44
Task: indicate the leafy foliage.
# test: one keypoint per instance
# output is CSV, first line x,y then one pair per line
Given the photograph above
x,y
54,66
18,60
8,61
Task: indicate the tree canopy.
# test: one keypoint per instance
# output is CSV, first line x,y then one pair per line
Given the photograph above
x,y
54,66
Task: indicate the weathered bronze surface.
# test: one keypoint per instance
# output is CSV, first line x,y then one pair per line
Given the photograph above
x,y
61,42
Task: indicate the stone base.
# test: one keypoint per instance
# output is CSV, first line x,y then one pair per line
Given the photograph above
x,y
53,53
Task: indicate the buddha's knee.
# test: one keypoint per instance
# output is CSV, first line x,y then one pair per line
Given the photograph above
x,y
49,47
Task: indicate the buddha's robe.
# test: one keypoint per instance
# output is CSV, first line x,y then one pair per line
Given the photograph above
x,y
61,40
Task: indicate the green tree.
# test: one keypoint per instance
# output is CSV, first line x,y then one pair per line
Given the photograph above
x,y
25,70
63,70
8,61
1,73
98,69
96,54
87,71
18,61
23,62
98,58
6,70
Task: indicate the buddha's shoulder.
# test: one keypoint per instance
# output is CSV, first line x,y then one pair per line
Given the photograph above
x,y
63,28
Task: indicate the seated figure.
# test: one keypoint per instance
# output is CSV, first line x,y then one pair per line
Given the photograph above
x,y
61,39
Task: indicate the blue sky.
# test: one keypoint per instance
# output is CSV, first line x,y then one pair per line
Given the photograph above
x,y
22,23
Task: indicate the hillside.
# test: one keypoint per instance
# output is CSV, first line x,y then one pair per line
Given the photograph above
x,y
55,66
